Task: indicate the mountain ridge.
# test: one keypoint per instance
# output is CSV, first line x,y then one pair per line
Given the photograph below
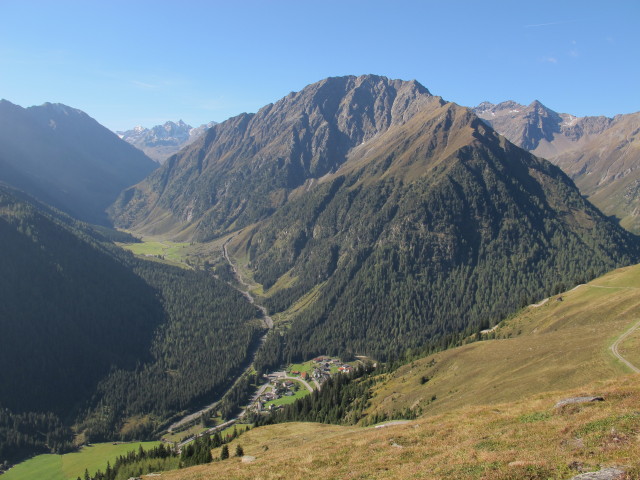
x,y
306,144
600,154
362,188
162,141
67,159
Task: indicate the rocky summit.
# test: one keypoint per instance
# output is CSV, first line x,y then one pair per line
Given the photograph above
x,y
162,141
359,189
600,154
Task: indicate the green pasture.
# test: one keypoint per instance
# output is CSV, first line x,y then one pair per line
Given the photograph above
x,y
70,466
285,400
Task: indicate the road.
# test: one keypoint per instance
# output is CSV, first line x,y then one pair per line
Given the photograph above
x,y
535,305
304,382
616,344
266,319
220,427
228,423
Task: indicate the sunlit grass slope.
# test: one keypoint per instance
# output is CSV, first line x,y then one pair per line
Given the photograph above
x,y
487,407
563,343
529,439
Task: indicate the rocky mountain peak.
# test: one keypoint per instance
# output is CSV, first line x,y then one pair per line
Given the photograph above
x,y
162,141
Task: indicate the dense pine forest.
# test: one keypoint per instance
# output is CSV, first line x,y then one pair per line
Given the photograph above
x,y
410,266
198,352
24,434
70,310
101,335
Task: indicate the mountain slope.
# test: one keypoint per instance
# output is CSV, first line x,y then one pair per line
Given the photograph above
x,y
397,219
244,168
563,343
65,158
92,336
486,409
409,259
600,154
60,328
162,141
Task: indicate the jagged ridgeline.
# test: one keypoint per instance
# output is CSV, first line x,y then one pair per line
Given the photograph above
x,y
407,218
93,334
600,154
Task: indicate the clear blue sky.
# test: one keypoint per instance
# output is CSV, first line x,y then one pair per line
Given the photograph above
x,y
141,62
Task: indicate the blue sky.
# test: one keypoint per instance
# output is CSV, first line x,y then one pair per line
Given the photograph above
x,y
144,62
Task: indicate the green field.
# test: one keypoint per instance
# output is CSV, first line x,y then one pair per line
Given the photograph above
x,y
301,367
72,465
171,252
285,400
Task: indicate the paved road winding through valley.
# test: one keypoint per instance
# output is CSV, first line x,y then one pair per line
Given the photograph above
x,y
268,323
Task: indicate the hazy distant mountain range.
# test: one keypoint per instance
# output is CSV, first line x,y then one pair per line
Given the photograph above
x,y
65,158
162,141
601,154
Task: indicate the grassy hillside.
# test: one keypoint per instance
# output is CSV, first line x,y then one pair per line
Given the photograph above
x,y
72,465
563,343
488,408
522,440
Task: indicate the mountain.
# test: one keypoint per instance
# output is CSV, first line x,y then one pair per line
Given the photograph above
x,y
485,409
91,335
162,141
377,217
60,328
600,154
245,167
65,158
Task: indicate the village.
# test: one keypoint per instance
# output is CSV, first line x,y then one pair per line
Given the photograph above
x,y
284,387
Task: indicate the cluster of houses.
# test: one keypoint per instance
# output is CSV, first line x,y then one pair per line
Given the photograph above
x,y
280,386
323,367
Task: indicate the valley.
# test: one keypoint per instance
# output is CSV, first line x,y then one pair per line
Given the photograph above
x,y
486,408
360,253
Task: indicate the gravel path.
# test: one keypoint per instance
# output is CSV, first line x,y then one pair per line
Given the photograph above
x,y
616,344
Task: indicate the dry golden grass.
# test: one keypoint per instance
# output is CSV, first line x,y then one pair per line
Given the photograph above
x,y
630,348
493,416
526,439
559,345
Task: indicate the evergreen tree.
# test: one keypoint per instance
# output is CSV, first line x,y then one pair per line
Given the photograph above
x,y
224,453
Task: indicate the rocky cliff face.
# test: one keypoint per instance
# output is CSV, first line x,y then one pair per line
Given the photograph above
x,y
244,168
378,216
601,154
537,128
